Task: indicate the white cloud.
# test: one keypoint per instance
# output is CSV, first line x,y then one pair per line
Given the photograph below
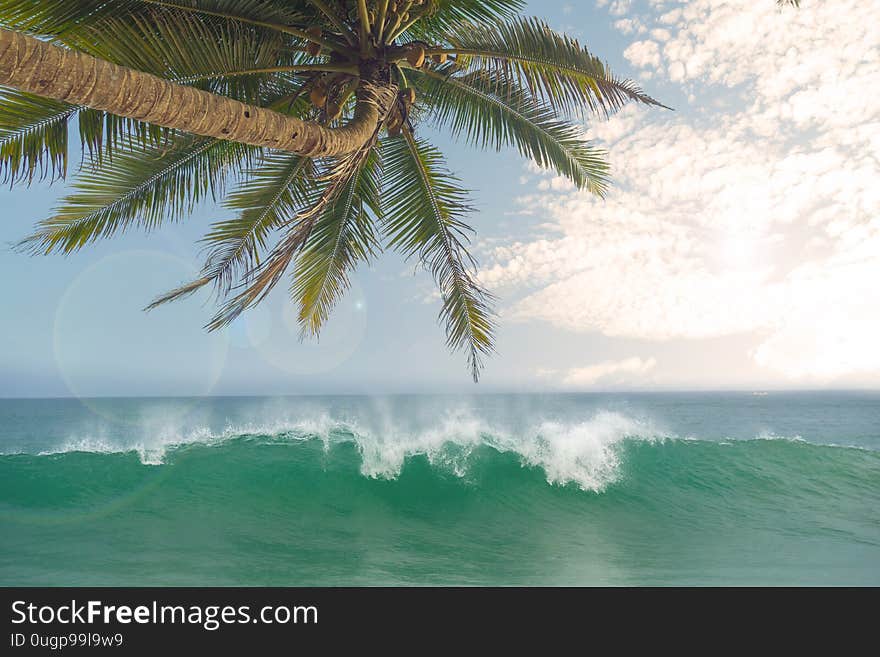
x,y
609,371
620,7
643,53
756,210
628,26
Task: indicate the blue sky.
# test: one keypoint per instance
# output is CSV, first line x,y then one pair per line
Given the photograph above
x,y
739,247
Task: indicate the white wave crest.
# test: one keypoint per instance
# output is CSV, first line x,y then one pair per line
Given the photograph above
x,y
583,453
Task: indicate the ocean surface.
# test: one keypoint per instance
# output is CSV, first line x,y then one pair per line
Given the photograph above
x,y
600,489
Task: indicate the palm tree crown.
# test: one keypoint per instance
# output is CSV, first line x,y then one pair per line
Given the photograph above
x,y
472,67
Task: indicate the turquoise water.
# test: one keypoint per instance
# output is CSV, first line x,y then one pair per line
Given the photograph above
x,y
559,490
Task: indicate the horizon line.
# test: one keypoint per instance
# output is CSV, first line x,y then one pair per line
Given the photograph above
x,y
606,391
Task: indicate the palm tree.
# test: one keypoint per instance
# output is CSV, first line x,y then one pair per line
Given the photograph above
x,y
312,108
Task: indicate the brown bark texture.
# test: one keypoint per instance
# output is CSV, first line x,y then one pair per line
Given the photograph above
x,y
34,66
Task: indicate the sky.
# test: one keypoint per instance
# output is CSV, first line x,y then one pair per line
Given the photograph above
x,y
739,247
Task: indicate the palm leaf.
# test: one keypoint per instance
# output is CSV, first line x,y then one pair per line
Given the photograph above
x,y
424,210
186,48
33,136
139,188
267,197
552,66
270,195
54,17
342,237
280,12
452,12
102,133
298,228
66,17
494,112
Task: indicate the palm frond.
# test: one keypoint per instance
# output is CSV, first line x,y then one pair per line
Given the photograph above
x,y
33,136
269,195
66,17
137,187
262,279
424,210
272,193
335,17
281,12
342,237
492,111
55,17
552,66
186,48
291,17
452,12
102,133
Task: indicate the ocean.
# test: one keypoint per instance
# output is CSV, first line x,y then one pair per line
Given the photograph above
x,y
592,489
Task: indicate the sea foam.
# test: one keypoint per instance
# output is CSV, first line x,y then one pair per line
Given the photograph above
x,y
583,453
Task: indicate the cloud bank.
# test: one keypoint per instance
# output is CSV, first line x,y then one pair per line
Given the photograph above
x,y
755,209
607,372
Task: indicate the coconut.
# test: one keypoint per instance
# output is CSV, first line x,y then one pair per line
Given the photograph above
x,y
394,122
318,96
416,56
440,58
314,49
408,95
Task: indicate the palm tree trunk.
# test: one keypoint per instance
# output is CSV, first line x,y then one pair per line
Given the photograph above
x,y
41,68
